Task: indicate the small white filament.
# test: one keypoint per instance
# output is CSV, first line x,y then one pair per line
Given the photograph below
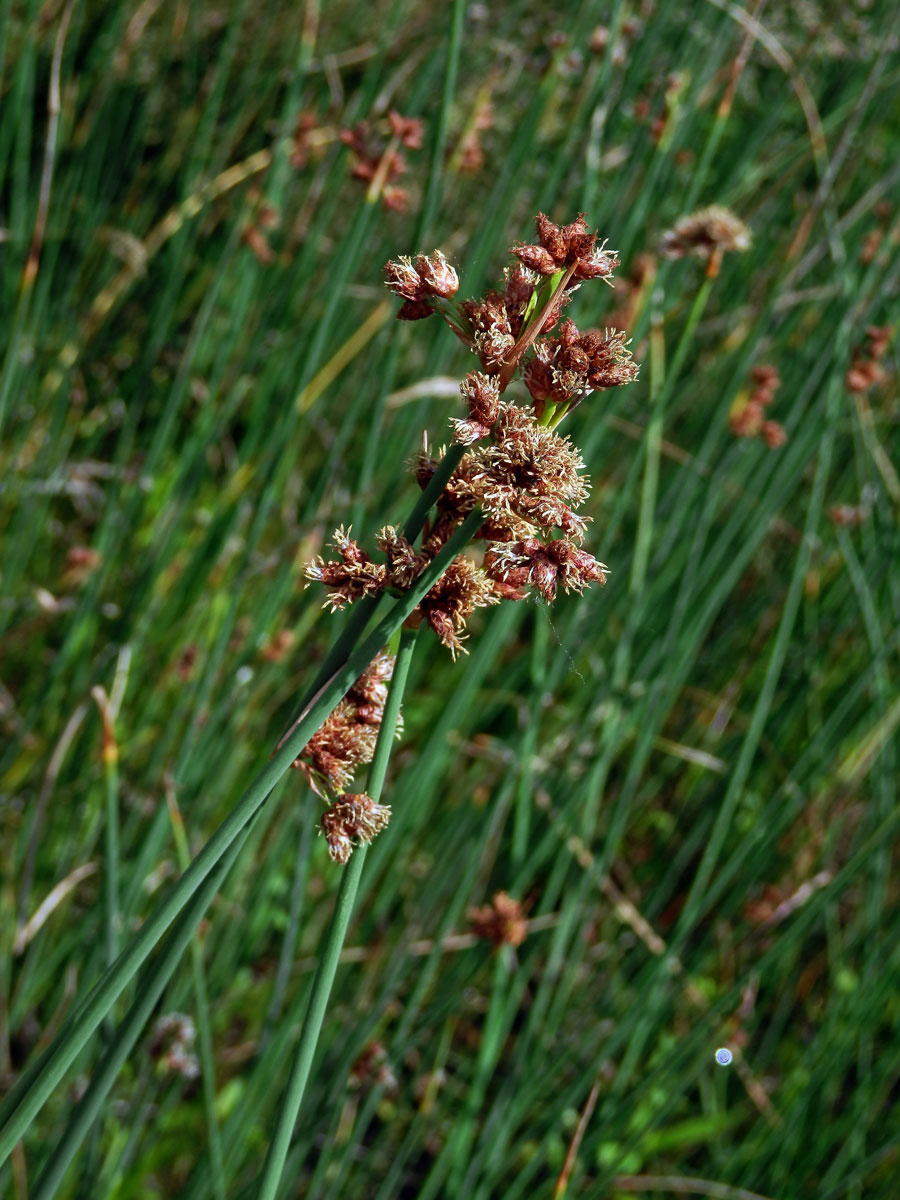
x,y
723,1057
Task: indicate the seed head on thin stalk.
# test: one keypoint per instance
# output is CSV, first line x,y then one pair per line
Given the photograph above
x,y
708,234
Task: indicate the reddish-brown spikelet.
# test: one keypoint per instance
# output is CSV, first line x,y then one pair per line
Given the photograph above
x,y
460,590
492,335
865,370
437,276
408,130
404,564
773,434
747,417
482,394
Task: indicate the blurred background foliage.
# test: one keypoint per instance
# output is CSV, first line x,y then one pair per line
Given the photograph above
x,y
688,778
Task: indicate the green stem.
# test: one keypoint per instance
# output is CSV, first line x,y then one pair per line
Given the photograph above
x,y
340,920
111,891
204,1029
152,986
662,383
433,188
35,1085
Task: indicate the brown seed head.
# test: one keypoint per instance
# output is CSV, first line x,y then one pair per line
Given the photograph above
x,y
500,922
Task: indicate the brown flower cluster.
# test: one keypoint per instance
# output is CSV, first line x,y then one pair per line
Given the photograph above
x,y
420,282
502,327
379,166
352,576
572,246
569,366
460,590
544,565
748,419
482,396
348,736
707,233
502,922
527,478
351,820
866,370
524,478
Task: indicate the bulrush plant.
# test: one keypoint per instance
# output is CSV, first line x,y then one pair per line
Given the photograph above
x,y
498,519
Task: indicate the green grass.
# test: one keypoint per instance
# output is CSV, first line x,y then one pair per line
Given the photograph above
x,y
650,768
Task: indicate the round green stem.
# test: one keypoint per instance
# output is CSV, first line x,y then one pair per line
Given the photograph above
x,y
343,909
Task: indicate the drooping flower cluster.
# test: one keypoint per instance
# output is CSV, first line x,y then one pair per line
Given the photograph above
x,y
544,565
748,419
459,591
525,480
352,575
347,738
345,741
